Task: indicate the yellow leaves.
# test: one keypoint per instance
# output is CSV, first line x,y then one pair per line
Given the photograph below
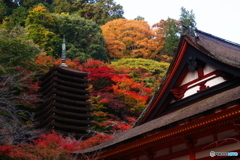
x,y
99,113
40,12
130,38
38,9
43,54
89,88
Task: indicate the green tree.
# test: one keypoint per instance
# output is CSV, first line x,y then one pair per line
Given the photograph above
x,y
6,8
15,49
40,24
138,18
101,11
172,30
61,6
84,38
153,67
107,10
172,37
29,3
187,17
3,10
78,5
17,17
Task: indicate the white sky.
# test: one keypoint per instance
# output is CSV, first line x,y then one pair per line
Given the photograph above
x,y
217,17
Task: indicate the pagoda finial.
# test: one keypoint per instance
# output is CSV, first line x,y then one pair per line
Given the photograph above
x,y
63,53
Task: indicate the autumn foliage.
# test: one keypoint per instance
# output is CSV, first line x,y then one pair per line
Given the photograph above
x,y
50,146
131,39
125,59
119,92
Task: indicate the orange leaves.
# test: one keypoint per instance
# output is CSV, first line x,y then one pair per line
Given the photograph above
x,y
104,100
40,11
123,81
70,63
130,38
132,92
121,127
45,62
165,58
137,85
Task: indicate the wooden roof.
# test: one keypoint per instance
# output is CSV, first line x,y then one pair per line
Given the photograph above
x,y
222,54
170,120
218,52
65,106
65,71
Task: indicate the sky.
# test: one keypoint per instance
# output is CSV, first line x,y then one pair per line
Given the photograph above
x,y
217,17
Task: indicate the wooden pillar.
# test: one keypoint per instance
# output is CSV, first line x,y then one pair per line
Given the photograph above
x,y
192,154
190,143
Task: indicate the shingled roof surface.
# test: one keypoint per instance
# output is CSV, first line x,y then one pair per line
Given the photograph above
x,y
217,48
214,47
157,124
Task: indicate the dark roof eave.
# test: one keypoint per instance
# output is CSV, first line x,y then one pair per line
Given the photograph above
x,y
201,43
194,109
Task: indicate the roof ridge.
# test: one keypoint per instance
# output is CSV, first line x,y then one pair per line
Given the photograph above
x,y
219,38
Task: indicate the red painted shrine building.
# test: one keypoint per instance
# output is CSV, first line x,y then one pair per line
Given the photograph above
x,y
195,110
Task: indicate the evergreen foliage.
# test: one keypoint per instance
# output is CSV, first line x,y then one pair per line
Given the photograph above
x,y
15,49
172,37
41,19
30,3
40,24
3,10
187,17
61,6
17,17
138,18
83,37
172,30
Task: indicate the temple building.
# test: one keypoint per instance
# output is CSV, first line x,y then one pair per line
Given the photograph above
x,y
65,107
195,110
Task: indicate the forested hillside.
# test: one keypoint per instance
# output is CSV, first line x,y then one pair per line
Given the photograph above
x,y
126,60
